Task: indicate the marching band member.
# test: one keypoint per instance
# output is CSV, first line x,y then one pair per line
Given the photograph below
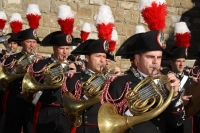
x,y
147,53
95,57
177,62
47,115
15,106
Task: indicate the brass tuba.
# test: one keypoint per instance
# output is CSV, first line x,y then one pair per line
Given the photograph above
x,y
53,76
143,108
92,88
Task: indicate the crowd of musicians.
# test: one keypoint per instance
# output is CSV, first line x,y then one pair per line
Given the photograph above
x,y
76,90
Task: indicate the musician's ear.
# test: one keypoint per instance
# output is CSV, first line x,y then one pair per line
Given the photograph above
x,y
87,58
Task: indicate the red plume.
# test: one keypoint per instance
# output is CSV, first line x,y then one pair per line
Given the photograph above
x,y
65,19
2,24
3,20
105,22
85,31
154,15
182,34
16,22
33,15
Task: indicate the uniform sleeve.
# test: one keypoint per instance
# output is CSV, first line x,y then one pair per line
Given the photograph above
x,y
175,114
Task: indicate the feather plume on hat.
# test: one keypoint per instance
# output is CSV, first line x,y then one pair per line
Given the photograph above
x,y
113,41
105,22
139,29
65,19
3,20
182,35
85,31
33,15
154,13
16,22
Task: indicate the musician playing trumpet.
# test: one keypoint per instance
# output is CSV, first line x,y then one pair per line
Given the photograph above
x,y
147,51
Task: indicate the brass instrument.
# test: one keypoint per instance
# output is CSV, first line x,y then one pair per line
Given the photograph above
x,y
92,88
7,77
53,76
142,107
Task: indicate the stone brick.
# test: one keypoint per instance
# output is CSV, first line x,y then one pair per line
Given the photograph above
x,y
55,4
118,15
44,5
170,2
125,65
84,12
181,11
131,17
42,32
121,29
181,3
112,4
50,20
172,10
14,1
81,1
42,49
137,1
97,2
135,6
126,5
25,4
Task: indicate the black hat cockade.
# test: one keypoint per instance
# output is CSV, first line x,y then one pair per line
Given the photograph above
x,y
58,38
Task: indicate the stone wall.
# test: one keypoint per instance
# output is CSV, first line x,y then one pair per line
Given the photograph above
x,y
126,14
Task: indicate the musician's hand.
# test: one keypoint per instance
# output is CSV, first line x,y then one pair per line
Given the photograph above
x,y
186,99
39,56
72,68
116,70
173,82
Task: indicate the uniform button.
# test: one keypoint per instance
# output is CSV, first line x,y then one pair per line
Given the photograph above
x,y
85,110
158,119
20,87
86,122
20,82
52,103
85,116
157,128
52,92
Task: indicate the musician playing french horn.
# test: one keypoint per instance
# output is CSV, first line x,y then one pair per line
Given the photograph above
x,y
47,115
95,57
16,106
147,51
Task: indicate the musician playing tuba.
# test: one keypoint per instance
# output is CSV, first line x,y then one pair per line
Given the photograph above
x,y
147,52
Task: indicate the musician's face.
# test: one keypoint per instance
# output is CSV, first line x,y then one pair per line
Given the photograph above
x,y
61,53
178,65
29,45
146,61
96,61
13,46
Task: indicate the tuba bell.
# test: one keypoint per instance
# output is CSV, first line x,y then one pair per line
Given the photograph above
x,y
53,76
92,88
143,108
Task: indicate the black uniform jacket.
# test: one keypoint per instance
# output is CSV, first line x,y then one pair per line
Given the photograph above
x,y
89,115
16,85
49,96
172,115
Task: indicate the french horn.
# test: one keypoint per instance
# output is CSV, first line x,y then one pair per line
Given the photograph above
x,y
53,76
145,101
92,88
